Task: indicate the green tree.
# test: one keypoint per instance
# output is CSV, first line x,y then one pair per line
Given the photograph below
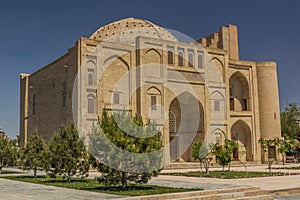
x,y
284,146
8,152
224,152
16,141
68,155
124,147
265,145
203,154
35,154
289,121
195,153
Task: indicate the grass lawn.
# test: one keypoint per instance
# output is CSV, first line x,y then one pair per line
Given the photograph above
x,y
95,186
292,168
229,174
9,172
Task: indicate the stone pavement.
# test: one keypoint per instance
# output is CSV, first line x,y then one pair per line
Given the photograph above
x,y
266,183
13,190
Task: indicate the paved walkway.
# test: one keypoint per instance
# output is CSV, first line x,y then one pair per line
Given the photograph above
x,y
26,191
12,190
266,183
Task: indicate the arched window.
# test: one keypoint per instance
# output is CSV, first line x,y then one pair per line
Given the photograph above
x,y
90,78
180,59
170,57
191,60
33,104
172,122
91,104
200,61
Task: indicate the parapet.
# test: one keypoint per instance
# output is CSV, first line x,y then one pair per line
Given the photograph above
x,y
226,39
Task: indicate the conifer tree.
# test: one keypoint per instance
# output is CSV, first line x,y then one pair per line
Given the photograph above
x,y
8,152
122,145
35,154
69,156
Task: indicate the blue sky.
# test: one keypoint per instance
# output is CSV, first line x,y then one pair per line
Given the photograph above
x,y
34,33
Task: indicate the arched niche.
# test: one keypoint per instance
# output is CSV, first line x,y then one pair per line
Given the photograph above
x,y
186,116
217,66
114,84
241,133
239,92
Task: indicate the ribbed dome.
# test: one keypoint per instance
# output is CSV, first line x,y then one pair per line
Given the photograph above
x,y
129,28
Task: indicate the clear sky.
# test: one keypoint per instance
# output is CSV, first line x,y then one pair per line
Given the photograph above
x,y
34,33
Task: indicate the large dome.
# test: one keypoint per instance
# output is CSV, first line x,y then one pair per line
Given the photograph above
x,y
129,28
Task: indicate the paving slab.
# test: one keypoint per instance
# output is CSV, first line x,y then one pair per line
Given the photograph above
x,y
12,190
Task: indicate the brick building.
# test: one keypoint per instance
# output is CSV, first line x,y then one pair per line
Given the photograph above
x,y
230,98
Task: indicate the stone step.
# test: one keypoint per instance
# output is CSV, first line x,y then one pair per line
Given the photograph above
x,y
232,195
197,194
196,165
258,197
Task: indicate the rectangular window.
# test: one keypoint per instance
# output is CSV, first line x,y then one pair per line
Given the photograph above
x,y
191,60
231,91
153,102
244,104
91,105
231,103
116,98
217,105
172,122
271,152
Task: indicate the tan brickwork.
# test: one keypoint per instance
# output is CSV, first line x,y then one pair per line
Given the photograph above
x,y
245,93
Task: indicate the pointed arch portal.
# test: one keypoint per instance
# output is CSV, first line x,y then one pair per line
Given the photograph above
x,y
186,117
241,133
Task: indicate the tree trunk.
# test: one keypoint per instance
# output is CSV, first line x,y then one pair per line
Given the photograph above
x,y
69,176
270,166
207,168
124,180
34,172
283,160
200,166
1,166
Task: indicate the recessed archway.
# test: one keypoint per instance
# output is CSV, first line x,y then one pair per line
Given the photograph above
x,y
186,116
239,92
241,133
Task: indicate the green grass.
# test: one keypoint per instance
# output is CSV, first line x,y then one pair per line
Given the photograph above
x,y
9,172
229,174
292,168
95,186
